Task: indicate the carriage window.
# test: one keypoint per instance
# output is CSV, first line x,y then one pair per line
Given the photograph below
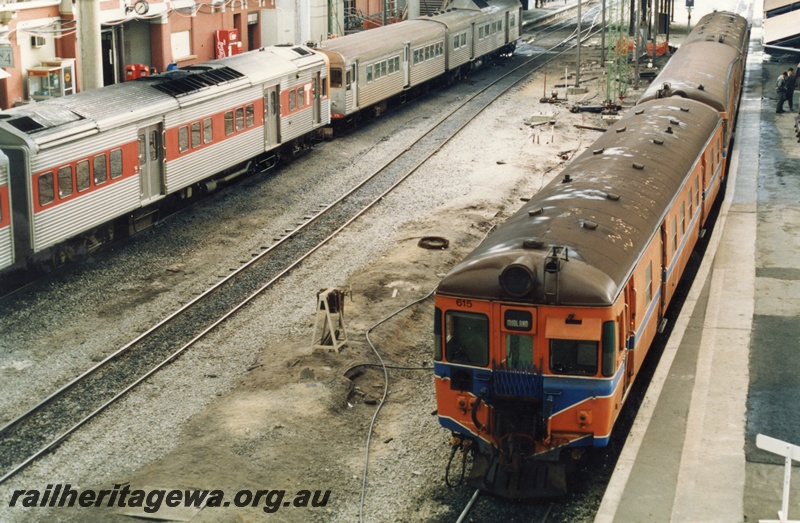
x,y
463,39
183,139
115,163
697,191
456,39
99,167
369,73
141,150
229,123
467,338
301,97
519,351
195,135
383,68
239,119
273,102
249,115
292,100
46,189
648,283
208,134
82,175
437,335
65,181
336,77
674,235
349,80
573,357
512,21
480,33
154,146
683,218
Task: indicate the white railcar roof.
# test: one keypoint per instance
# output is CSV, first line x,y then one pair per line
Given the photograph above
x,y
363,45
454,19
153,96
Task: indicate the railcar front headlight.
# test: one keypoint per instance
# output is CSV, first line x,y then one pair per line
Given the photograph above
x,y
517,280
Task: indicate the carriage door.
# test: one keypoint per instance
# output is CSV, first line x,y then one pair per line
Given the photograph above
x,y
151,165
407,64
353,73
315,97
271,115
472,42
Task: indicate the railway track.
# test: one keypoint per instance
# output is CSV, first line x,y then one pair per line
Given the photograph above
x,y
534,514
45,425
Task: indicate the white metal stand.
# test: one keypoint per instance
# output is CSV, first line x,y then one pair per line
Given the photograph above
x,y
330,319
790,452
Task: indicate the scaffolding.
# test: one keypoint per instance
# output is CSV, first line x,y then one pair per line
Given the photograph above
x,y
618,51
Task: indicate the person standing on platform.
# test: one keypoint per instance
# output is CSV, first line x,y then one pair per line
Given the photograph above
x,y
791,80
780,88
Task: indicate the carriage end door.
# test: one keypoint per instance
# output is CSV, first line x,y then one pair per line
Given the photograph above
x,y
151,162
272,114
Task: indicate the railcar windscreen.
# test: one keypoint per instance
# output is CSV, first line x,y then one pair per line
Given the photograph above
x,y
467,337
573,357
519,351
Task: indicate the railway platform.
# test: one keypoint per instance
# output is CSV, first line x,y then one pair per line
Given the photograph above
x,y
731,369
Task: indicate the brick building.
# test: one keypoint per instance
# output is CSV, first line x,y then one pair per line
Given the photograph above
x,y
56,47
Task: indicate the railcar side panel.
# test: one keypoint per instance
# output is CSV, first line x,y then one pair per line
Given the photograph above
x,y
83,147
6,227
188,169
297,118
56,224
489,34
381,78
69,197
213,106
425,67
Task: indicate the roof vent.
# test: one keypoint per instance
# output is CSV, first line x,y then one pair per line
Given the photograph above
x,y
532,243
567,179
536,212
658,141
638,166
598,151
612,196
588,224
